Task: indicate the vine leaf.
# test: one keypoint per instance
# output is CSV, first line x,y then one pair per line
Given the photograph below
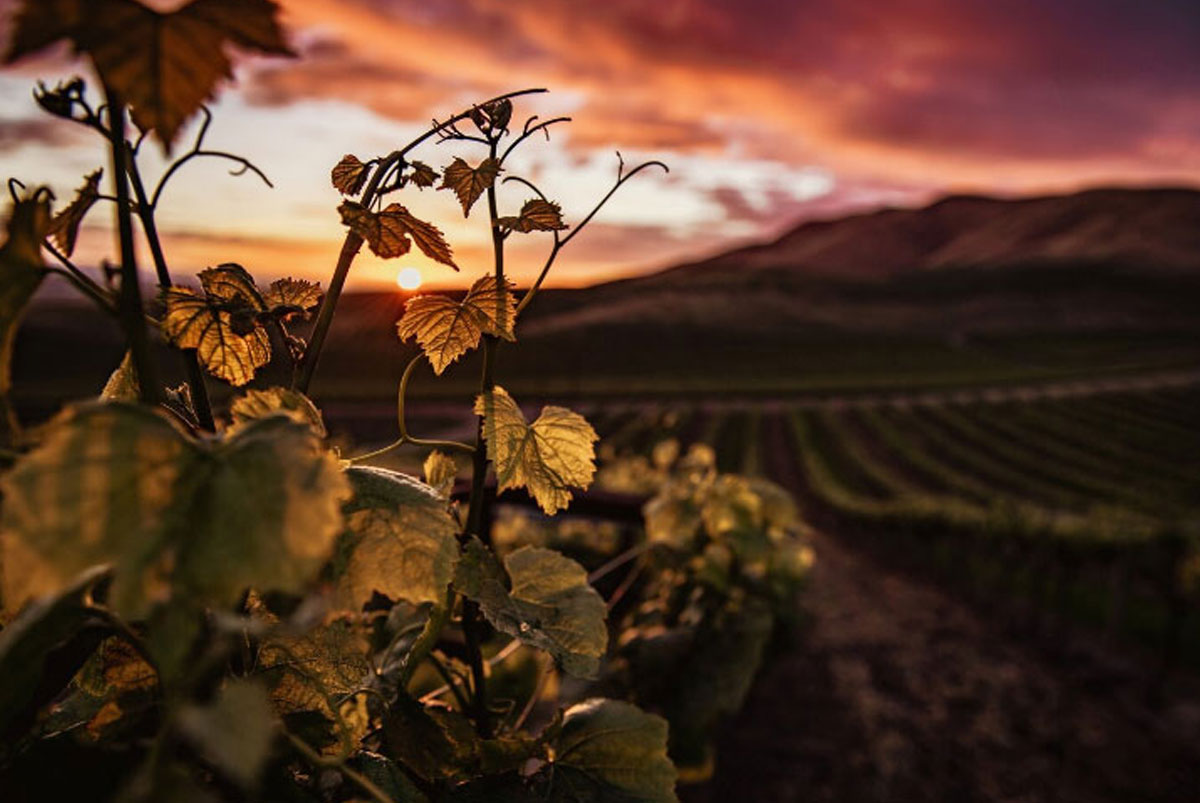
x,y
286,297
122,384
399,541
315,672
388,232
349,175
440,472
21,271
223,343
536,215
64,228
223,324
547,603
447,329
422,175
166,65
179,519
257,404
610,750
235,732
548,457
469,182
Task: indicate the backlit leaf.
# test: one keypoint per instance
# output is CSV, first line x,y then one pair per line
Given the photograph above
x,y
64,228
536,215
349,175
270,401
548,457
231,282
422,175
165,65
548,605
21,271
387,232
612,750
469,182
202,520
427,236
446,329
440,472
296,295
399,540
122,384
194,321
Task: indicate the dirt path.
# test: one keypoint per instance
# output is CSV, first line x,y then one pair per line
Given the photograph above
x,y
898,691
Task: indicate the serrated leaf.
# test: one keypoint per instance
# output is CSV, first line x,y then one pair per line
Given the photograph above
x,y
234,733
165,65
388,232
422,175
316,672
21,271
536,215
122,384
194,321
64,228
469,182
446,329
399,541
295,295
349,175
612,750
270,401
549,457
434,743
440,472
195,520
548,603
427,236
231,282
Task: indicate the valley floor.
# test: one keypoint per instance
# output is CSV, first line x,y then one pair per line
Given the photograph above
x,y
895,691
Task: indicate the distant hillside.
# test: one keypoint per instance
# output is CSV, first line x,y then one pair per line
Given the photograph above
x,y
1094,260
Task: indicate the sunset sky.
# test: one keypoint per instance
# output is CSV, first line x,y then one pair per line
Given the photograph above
x,y
768,112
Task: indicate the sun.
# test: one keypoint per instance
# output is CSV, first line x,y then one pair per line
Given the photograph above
x,y
409,278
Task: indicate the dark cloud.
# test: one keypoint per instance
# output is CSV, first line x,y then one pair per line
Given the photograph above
x,y
15,134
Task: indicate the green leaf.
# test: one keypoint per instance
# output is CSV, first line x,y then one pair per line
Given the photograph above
x,y
608,750
388,776
399,540
195,520
257,404
235,732
64,228
447,329
21,271
436,744
548,457
122,384
165,65
548,603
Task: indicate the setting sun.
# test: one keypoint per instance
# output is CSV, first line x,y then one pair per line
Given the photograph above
x,y
409,278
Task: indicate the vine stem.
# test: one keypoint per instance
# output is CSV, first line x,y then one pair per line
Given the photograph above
x,y
129,305
353,243
405,438
327,762
191,363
